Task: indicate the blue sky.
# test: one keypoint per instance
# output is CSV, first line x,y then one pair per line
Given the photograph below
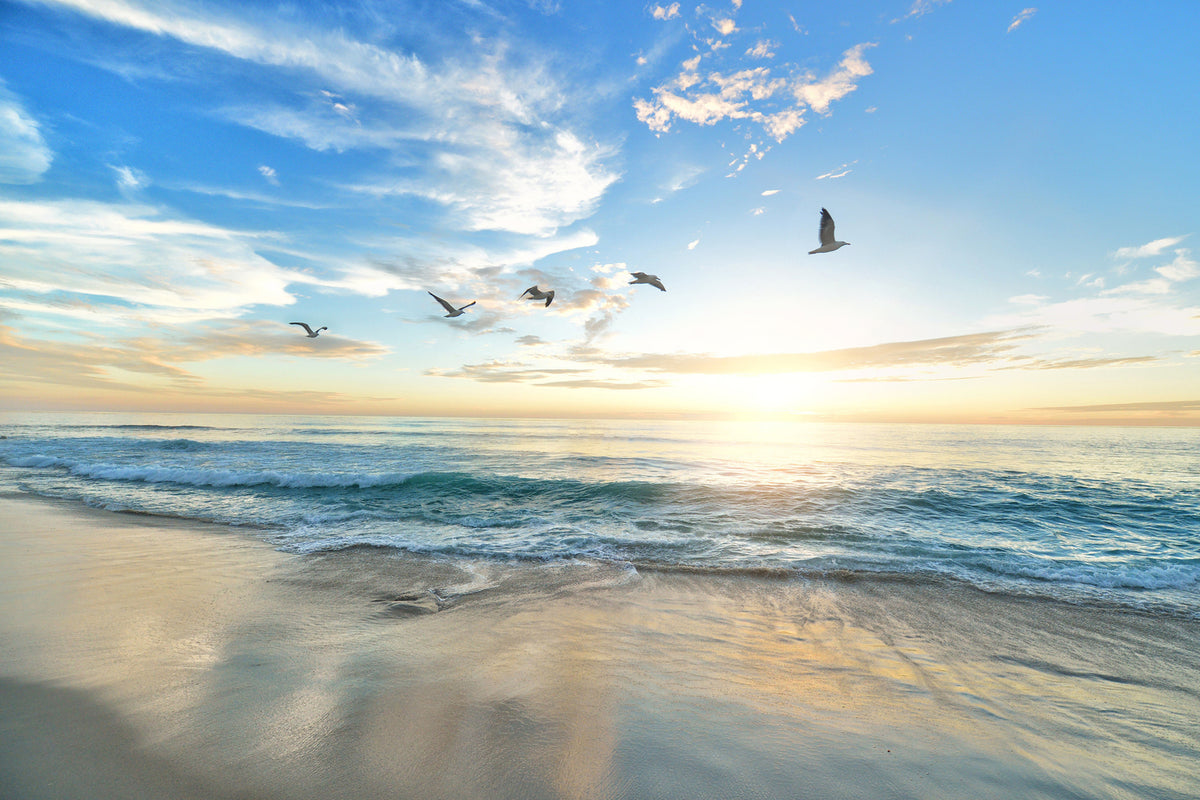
x,y
180,180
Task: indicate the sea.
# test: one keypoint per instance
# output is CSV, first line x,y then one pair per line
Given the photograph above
x,y
1104,516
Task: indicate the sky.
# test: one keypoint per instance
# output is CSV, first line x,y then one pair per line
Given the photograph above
x,y
180,180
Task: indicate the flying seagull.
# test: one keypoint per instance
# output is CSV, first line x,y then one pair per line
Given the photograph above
x,y
537,294
641,277
828,242
311,333
453,312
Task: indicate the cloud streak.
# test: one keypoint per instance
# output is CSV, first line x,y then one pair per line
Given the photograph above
x,y
1149,250
953,351
1020,19
99,362
24,155
546,377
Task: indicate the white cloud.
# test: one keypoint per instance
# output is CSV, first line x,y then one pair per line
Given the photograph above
x,y
764,48
667,12
1020,18
24,156
769,192
819,94
1150,249
483,117
755,94
725,26
692,245
531,187
269,173
1149,306
1182,268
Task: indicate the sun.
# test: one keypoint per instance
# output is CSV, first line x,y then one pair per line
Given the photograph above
x,y
771,395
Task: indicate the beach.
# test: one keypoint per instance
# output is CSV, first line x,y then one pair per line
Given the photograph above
x,y
152,657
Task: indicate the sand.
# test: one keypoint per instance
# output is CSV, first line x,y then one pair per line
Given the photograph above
x,y
150,658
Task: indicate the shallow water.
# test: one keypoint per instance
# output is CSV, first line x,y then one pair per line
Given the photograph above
x,y
149,657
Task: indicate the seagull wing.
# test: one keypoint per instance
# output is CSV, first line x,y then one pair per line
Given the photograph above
x,y
826,232
549,298
445,305
303,325
468,305
532,290
656,283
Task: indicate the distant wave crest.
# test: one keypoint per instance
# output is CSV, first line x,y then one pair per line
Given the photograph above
x,y
221,478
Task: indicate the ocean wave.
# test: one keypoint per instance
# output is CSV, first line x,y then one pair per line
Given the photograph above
x,y
1178,575
220,478
181,444
149,427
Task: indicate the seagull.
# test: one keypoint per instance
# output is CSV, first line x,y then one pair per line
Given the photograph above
x,y
537,294
828,242
311,333
454,312
641,277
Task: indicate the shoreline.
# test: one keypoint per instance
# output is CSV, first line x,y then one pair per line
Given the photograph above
x,y
146,652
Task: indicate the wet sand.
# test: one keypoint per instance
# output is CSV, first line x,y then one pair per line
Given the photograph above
x,y
149,658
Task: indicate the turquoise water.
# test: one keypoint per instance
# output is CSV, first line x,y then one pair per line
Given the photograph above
x,y
1093,515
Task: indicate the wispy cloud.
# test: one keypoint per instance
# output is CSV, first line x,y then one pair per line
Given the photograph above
x,y
130,180
1150,249
953,351
1021,18
24,155
922,7
1166,406
1031,363
453,264
138,257
1029,299
764,48
257,198
548,377
1182,268
490,123
101,361
840,172
1145,307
